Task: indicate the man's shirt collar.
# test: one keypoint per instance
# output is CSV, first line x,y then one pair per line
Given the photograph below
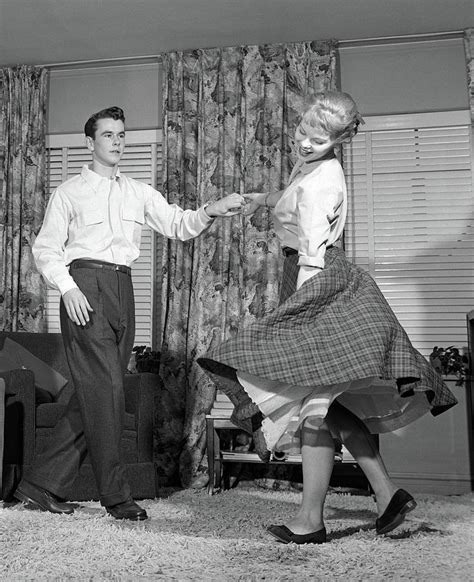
x,y
95,180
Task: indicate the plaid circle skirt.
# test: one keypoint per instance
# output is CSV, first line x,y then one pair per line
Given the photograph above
x,y
334,338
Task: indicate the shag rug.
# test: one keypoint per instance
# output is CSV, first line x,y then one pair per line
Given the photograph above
x,y
193,536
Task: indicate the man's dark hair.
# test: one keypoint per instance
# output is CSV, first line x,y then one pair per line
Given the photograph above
x,y
109,113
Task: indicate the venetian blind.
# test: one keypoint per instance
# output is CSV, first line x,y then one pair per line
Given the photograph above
x,y
142,160
410,220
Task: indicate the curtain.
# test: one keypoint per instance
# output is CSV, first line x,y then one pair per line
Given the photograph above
x,y
23,201
469,50
229,117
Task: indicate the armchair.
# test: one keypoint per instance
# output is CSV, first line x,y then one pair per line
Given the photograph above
x,y
31,414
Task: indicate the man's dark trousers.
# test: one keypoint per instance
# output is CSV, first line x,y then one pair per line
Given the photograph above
x,y
97,354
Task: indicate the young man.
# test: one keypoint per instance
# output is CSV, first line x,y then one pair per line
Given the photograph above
x,y
89,238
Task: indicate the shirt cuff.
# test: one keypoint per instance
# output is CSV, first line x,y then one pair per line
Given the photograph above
x,y
204,215
66,285
311,261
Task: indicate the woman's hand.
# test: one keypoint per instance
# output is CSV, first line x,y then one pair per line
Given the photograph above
x,y
253,202
228,206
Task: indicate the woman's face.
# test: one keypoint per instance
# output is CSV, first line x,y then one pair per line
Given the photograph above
x,y
312,143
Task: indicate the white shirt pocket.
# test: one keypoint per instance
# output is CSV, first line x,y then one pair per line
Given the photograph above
x,y
89,216
129,213
133,219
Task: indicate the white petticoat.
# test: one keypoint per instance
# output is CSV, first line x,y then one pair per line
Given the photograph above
x,y
285,406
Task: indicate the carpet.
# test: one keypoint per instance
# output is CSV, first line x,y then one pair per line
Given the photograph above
x,y
193,536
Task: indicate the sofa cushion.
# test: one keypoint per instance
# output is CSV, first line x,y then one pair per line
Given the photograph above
x,y
47,415
14,355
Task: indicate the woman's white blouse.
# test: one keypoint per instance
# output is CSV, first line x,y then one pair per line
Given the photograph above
x,y
311,212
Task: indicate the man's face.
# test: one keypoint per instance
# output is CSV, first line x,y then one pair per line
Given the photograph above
x,y
109,143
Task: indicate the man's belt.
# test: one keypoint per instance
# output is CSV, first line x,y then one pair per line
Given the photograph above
x,y
89,264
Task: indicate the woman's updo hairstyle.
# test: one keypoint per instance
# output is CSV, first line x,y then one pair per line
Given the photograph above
x,y
335,113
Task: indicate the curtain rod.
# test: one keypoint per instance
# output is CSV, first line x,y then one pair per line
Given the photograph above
x,y
402,38
342,43
120,60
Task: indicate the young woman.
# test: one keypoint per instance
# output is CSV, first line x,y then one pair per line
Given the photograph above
x,y
332,361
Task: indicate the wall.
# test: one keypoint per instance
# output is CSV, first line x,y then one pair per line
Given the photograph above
x,y
413,77
385,79
432,454
75,94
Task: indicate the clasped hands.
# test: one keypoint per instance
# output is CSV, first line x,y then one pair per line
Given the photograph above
x,y
235,204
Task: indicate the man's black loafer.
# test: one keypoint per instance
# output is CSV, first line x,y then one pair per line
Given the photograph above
x,y
286,536
400,504
38,498
127,510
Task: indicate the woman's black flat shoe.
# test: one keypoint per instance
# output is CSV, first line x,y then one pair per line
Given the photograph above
x,y
286,536
400,504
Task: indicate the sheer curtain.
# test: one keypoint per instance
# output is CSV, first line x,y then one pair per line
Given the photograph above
x,y
229,117
23,200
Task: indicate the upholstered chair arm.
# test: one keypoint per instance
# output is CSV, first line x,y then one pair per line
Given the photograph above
x,y
21,382
20,405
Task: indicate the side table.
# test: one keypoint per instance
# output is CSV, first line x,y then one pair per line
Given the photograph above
x,y
219,418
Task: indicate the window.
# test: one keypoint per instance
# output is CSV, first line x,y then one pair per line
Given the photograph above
x,y
142,160
410,220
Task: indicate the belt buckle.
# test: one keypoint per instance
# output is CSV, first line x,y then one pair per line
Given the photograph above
x,y
116,267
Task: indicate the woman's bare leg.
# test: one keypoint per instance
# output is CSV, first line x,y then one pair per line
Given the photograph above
x,y
317,453
360,443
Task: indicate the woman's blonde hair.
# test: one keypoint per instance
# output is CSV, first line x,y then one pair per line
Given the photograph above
x,y
335,113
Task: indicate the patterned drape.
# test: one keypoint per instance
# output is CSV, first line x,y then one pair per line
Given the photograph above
x,y
22,188
229,117
469,50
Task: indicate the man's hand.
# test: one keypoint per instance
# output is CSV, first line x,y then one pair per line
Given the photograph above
x,y
77,306
228,206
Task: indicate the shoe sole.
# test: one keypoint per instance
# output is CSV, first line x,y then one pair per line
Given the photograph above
x,y
135,518
400,518
297,539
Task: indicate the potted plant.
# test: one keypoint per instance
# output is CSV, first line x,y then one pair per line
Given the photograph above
x,y
144,359
450,362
